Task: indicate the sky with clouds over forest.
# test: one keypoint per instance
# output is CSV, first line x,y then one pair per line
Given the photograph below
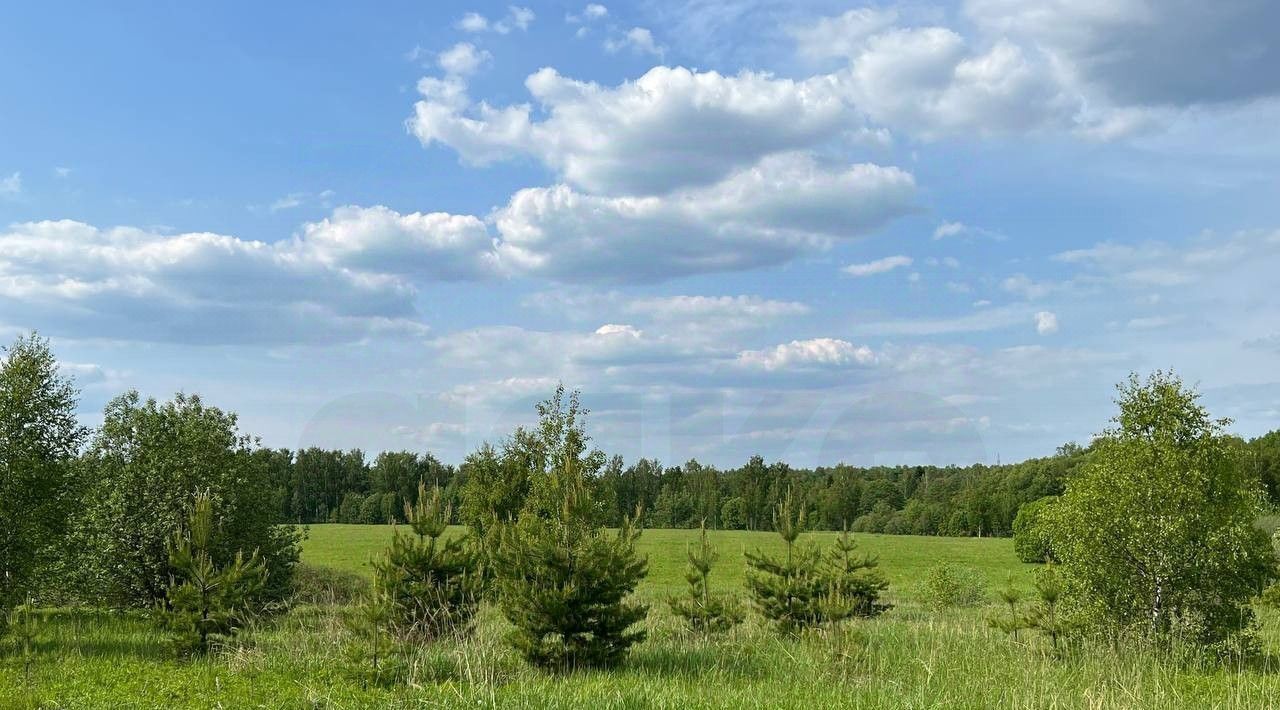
x,y
822,231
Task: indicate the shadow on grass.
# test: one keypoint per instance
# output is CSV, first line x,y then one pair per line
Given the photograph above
x,y
100,633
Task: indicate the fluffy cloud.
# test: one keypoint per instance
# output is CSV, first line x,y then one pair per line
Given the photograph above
x,y
879,266
462,59
844,35
785,206
636,39
802,354
1143,52
198,288
930,82
516,18
379,241
693,128
1046,322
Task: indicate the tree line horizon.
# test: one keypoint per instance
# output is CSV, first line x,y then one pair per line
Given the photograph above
x,y
317,485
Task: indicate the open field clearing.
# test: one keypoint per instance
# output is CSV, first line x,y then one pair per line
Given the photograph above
x,y
911,657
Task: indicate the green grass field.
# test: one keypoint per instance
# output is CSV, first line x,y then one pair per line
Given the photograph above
x,y
911,657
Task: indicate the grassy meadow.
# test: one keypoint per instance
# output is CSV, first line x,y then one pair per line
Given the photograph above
x,y
911,657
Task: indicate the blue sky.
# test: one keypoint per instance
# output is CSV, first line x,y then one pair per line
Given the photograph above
x,y
823,231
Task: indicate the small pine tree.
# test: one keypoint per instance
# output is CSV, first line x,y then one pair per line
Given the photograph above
x,y
1045,615
1013,621
565,583
853,577
434,584
203,602
700,609
375,655
792,591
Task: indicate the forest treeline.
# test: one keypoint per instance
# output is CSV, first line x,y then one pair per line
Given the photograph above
x,y
317,485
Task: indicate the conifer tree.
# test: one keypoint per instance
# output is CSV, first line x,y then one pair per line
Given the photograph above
x,y
701,610
205,603
1012,621
565,581
792,590
376,653
432,583
853,577
1045,615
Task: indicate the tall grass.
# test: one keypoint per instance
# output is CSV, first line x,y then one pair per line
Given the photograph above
x,y
912,657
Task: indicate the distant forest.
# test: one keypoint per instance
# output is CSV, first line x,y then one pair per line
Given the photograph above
x,y
317,486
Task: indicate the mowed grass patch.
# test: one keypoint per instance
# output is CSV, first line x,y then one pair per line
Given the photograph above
x,y
904,559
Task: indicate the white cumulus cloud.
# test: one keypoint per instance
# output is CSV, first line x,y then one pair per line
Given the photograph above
x,y
879,266
801,354
1046,322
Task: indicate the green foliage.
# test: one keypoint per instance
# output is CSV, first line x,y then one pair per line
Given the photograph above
x,y
801,589
375,657
1011,620
733,515
1045,615
315,584
204,602
39,439
948,586
854,579
433,583
1155,533
1030,537
24,622
565,586
564,582
702,610
146,462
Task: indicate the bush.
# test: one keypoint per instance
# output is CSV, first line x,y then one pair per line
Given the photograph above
x,y
146,463
433,584
564,582
1030,536
39,438
948,586
1155,532
205,602
733,514
313,584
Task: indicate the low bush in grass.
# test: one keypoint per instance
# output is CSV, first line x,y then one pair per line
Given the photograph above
x,y
319,585
949,586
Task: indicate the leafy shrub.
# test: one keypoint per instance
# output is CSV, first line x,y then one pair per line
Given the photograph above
x,y
1030,535
733,514
433,584
1155,532
39,438
205,602
701,610
948,586
146,462
314,584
